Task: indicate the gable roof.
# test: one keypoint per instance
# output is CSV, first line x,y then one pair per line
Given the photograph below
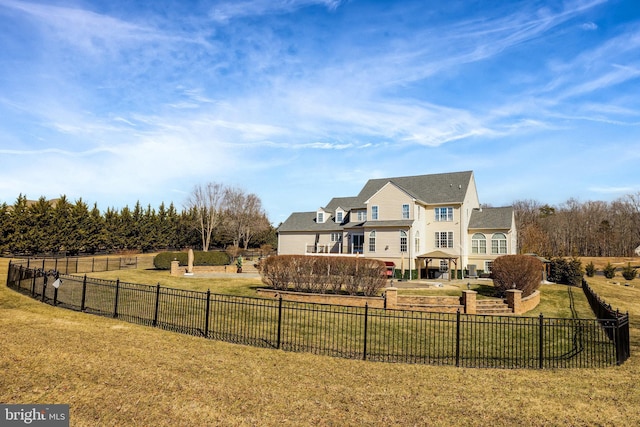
x,y
491,218
435,188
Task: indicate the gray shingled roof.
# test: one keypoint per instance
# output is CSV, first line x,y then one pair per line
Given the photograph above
x,y
306,221
435,188
346,203
491,218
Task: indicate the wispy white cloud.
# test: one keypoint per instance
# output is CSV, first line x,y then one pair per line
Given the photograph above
x,y
229,10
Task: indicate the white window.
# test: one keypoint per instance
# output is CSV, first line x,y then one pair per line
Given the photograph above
x,y
339,217
444,239
444,214
372,241
487,266
478,244
336,237
403,241
362,215
320,217
374,212
417,241
405,211
499,244
444,265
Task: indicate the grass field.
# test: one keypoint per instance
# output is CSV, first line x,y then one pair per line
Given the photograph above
x,y
118,374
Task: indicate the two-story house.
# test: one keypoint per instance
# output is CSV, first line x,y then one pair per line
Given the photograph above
x,y
432,224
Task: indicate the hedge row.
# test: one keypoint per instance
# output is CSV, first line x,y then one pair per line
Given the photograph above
x,y
324,274
162,261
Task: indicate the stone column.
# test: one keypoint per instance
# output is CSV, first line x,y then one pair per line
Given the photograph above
x,y
469,301
190,263
175,265
514,298
391,298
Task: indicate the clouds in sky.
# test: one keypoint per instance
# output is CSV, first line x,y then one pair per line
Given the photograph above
x,y
300,101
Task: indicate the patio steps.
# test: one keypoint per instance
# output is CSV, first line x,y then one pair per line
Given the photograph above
x,y
492,306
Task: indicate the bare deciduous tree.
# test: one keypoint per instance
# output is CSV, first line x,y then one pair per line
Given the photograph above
x,y
206,202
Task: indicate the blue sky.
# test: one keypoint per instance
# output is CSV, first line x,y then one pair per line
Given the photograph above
x,y
299,101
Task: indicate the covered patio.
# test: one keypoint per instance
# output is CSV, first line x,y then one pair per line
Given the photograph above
x,y
437,255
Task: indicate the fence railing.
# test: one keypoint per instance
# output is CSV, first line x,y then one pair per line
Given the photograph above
x,y
351,332
603,311
86,264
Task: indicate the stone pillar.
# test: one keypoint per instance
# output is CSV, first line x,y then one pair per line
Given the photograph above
x,y
514,298
469,301
391,298
175,265
190,263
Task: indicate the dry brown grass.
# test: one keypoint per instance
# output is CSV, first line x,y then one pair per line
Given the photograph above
x,y
118,374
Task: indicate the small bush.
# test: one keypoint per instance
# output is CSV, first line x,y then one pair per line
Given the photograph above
x,y
628,272
590,269
523,272
609,271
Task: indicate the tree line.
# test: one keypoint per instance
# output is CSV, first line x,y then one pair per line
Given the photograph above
x,y
573,228
61,226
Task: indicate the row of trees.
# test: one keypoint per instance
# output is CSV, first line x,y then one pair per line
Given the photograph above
x,y
574,228
56,226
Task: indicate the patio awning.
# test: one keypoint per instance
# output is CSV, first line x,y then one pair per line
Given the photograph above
x,y
438,255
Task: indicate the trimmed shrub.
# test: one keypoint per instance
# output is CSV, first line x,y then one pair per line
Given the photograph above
x,y
609,271
590,269
319,274
628,272
523,272
162,261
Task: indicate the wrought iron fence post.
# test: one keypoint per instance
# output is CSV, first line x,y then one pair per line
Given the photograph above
x,y
155,312
107,269
93,264
77,264
43,260
44,285
206,317
366,318
55,296
279,321
33,282
56,265
618,341
458,338
541,343
28,261
115,305
84,293
66,269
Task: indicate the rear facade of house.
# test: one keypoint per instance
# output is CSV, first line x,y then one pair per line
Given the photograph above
x,y
432,225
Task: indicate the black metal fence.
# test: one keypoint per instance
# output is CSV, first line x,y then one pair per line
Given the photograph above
x,y
351,332
619,335
80,265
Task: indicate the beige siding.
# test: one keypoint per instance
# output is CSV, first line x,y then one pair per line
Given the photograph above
x,y
294,243
389,201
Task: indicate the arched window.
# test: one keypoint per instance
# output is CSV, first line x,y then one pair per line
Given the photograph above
x,y
372,241
403,241
417,242
499,244
478,244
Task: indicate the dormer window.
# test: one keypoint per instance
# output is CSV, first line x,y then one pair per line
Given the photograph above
x,y
320,217
339,217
